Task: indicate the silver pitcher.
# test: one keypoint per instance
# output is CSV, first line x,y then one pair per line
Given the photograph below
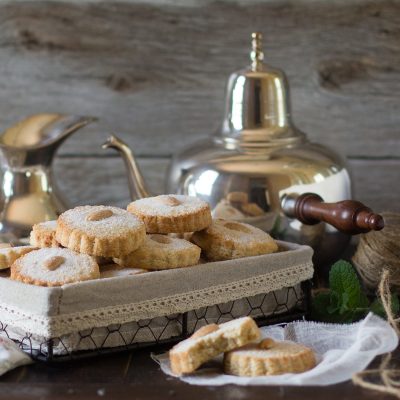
x,y
29,193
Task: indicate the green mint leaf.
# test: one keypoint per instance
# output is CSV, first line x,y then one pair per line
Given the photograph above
x,y
325,307
334,303
344,281
320,304
364,302
377,306
344,306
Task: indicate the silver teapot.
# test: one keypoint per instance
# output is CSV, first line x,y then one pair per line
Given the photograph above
x,y
259,168
28,192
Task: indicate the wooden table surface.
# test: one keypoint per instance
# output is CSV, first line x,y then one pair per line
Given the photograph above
x,y
135,376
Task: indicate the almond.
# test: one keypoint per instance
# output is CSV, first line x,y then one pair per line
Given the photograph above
x,y
52,263
171,201
161,239
252,209
266,343
234,226
99,215
205,330
238,197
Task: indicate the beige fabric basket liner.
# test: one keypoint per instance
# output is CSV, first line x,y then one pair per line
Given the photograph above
x,y
54,312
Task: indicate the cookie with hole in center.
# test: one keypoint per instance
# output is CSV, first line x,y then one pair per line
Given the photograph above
x,y
100,231
269,357
172,213
162,252
226,240
54,266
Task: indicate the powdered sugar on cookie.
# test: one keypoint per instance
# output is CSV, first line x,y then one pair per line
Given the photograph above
x,y
100,231
162,252
9,254
172,213
269,357
44,234
225,240
54,267
170,205
189,354
119,222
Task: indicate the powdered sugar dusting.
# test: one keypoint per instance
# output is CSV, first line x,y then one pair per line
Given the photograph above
x,y
224,329
153,242
164,206
120,223
76,267
278,349
19,250
122,272
48,226
237,231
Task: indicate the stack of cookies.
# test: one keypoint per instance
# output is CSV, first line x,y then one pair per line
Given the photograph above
x,y
89,242
245,354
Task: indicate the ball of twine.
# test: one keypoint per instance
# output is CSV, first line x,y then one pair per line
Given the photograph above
x,y
377,260
379,251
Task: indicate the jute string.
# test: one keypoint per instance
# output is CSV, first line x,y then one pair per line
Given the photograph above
x,y
377,259
379,251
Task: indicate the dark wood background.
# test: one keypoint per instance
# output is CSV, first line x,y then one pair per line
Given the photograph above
x,y
155,73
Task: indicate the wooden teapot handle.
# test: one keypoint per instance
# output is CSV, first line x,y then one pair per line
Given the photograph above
x,y
347,216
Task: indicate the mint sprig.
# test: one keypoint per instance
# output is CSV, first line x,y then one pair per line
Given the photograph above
x,y
345,301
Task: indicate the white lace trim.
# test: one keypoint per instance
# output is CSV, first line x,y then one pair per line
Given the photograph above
x,y
49,327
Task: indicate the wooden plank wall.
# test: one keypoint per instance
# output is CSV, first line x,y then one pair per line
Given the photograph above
x,y
155,72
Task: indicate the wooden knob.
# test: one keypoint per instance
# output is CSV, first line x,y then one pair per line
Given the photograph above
x,y
348,216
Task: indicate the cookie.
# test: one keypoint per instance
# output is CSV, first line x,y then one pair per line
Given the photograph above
x,y
238,197
225,240
211,340
54,266
9,254
44,234
172,213
114,270
100,231
252,209
162,252
225,210
269,357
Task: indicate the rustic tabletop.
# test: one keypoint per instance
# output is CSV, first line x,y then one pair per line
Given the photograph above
x,y
135,375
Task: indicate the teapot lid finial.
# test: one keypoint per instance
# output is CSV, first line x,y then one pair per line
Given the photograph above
x,y
257,109
256,54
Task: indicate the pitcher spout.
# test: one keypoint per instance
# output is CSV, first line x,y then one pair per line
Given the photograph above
x,y
35,139
137,186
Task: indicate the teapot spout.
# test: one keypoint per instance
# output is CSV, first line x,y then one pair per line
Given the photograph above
x,y
137,186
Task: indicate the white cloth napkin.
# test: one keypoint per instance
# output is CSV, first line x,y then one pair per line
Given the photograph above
x,y
341,351
11,356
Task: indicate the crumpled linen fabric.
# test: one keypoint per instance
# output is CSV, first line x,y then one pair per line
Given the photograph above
x,y
341,351
11,356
